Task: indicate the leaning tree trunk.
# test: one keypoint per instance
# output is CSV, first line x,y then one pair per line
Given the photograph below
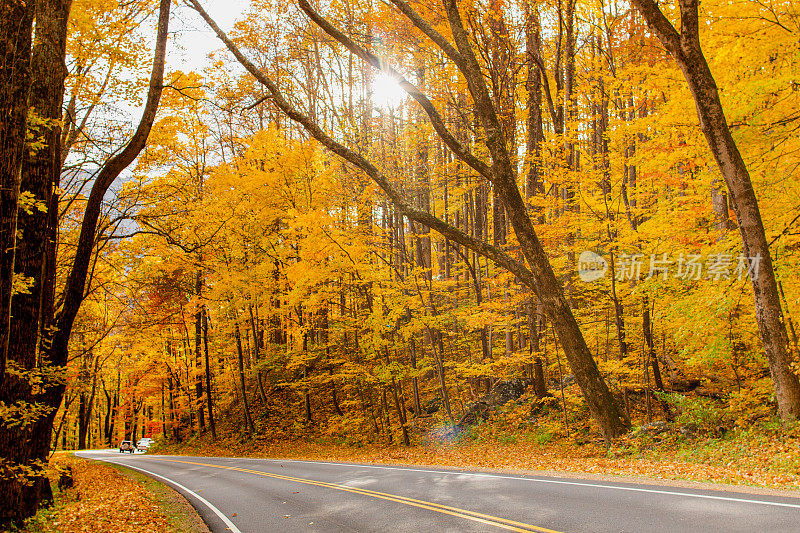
x,y
685,49
540,278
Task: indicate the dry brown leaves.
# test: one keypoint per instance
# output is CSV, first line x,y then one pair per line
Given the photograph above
x,y
770,462
102,500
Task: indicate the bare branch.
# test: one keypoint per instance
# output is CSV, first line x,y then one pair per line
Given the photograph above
x,y
257,102
436,120
495,254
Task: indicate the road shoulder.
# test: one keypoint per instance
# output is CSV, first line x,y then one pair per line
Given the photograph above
x,y
181,515
93,496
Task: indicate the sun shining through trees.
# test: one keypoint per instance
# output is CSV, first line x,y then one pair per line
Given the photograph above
x,y
537,247
386,91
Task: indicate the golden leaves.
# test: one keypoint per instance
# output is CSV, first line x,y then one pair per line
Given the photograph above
x,y
103,500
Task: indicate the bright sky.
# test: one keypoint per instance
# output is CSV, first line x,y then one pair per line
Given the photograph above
x,y
196,38
386,91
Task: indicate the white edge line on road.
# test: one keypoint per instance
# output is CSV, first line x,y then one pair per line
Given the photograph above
x,y
210,505
553,481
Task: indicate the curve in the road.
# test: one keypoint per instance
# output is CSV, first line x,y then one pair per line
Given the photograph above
x,y
261,495
230,525
496,521
556,482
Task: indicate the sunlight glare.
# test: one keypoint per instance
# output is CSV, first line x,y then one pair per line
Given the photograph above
x,y
386,91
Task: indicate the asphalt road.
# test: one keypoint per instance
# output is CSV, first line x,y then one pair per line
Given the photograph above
x,y
263,495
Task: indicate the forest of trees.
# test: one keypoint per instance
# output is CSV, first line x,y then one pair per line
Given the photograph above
x,y
364,221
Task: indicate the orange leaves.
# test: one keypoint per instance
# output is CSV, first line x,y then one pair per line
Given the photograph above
x,y
103,500
750,456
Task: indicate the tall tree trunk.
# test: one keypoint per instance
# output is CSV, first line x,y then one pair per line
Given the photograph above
x,y
240,360
437,346
25,446
107,418
198,354
83,420
176,431
686,50
163,413
15,85
254,329
401,414
40,177
533,85
647,332
423,191
115,411
40,78
335,396
210,403
412,354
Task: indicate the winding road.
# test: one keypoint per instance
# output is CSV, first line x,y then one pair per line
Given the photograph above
x,y
265,495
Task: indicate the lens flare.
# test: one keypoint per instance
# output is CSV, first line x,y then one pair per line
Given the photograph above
x,y
386,91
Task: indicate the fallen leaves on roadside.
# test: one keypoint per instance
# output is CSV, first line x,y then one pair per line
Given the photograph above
x,y
750,456
103,500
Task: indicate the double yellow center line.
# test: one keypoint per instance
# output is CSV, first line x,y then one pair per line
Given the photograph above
x,y
495,521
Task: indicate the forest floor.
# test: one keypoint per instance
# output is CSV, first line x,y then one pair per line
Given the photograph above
x,y
99,495
762,455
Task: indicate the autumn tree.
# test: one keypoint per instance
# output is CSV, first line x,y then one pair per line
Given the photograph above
x,y
500,173
684,46
15,84
25,433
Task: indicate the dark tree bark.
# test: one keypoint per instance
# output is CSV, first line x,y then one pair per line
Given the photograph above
x,y
256,333
40,176
684,47
240,360
198,355
26,446
401,414
107,417
176,430
15,83
647,332
412,355
209,400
